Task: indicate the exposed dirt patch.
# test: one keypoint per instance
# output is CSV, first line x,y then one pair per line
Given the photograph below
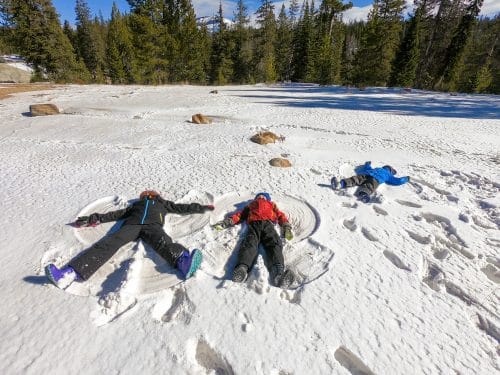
x,y
7,89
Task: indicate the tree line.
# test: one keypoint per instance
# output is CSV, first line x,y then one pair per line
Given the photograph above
x,y
442,45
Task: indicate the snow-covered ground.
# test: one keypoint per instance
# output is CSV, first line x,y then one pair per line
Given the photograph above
x,y
408,284
16,62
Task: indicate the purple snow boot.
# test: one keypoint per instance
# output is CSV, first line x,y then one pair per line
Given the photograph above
x,y
61,278
189,263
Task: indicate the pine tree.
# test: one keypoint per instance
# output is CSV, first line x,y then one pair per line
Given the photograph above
x,y
284,46
70,33
435,36
481,59
41,41
99,30
454,54
85,40
405,64
266,41
242,53
119,50
154,46
302,44
379,43
353,33
293,11
193,53
221,63
331,31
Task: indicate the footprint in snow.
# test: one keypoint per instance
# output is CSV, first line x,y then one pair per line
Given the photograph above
x,y
394,259
379,210
408,203
351,362
211,360
181,308
368,234
350,224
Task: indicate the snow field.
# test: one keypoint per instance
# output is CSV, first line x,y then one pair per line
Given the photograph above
x,y
407,284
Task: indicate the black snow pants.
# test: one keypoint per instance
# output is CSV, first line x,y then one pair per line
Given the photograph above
x,y
367,184
87,263
261,232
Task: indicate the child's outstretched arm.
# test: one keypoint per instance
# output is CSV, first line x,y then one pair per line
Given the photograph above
x,y
97,218
396,181
282,219
283,222
181,208
237,218
240,216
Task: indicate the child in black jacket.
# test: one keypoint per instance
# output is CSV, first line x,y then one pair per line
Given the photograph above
x,y
143,220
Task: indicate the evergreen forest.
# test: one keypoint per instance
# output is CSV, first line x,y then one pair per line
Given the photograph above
x,y
440,45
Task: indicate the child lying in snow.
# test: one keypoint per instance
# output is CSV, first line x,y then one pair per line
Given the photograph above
x,y
368,179
260,215
144,220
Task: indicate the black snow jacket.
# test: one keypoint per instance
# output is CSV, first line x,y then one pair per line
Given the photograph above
x,y
150,211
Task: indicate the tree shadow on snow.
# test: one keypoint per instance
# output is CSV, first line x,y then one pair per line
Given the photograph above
x,y
416,103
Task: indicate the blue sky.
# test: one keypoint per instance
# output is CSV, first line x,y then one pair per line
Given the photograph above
x,y
66,8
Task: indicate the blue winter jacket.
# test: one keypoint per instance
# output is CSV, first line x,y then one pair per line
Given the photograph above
x,y
381,175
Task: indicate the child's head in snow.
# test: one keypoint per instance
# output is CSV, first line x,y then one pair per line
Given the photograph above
x,y
151,194
263,195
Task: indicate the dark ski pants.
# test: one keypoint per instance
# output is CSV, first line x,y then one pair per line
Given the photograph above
x,y
87,263
367,184
260,232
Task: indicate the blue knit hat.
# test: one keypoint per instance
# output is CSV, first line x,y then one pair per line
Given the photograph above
x,y
265,195
390,169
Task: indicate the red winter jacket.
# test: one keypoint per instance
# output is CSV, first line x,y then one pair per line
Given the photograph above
x,y
260,209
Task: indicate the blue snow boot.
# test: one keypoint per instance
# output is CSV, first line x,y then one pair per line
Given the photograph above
x,y
189,263
61,278
336,183
363,197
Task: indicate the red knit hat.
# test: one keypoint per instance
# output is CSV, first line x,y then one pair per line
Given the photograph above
x,y
149,194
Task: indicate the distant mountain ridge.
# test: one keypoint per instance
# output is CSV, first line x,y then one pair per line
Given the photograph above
x,y
212,23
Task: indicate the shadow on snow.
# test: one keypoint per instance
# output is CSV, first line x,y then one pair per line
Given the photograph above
x,y
387,100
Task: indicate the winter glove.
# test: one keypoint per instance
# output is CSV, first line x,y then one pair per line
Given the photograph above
x,y
88,221
287,231
209,207
226,223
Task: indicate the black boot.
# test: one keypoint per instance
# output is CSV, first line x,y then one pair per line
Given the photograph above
x,y
240,273
281,278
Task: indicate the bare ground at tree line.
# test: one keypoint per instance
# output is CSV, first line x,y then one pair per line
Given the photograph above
x,y
7,89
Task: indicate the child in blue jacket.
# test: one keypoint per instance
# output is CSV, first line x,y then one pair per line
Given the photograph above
x,y
368,179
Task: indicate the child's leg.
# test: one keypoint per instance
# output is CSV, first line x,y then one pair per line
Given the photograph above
x,y
155,236
86,264
369,186
356,180
249,246
272,243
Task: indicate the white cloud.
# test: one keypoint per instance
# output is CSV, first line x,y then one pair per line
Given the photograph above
x,y
211,7
361,13
204,8
357,13
490,8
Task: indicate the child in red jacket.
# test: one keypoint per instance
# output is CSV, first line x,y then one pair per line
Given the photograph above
x,y
261,215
